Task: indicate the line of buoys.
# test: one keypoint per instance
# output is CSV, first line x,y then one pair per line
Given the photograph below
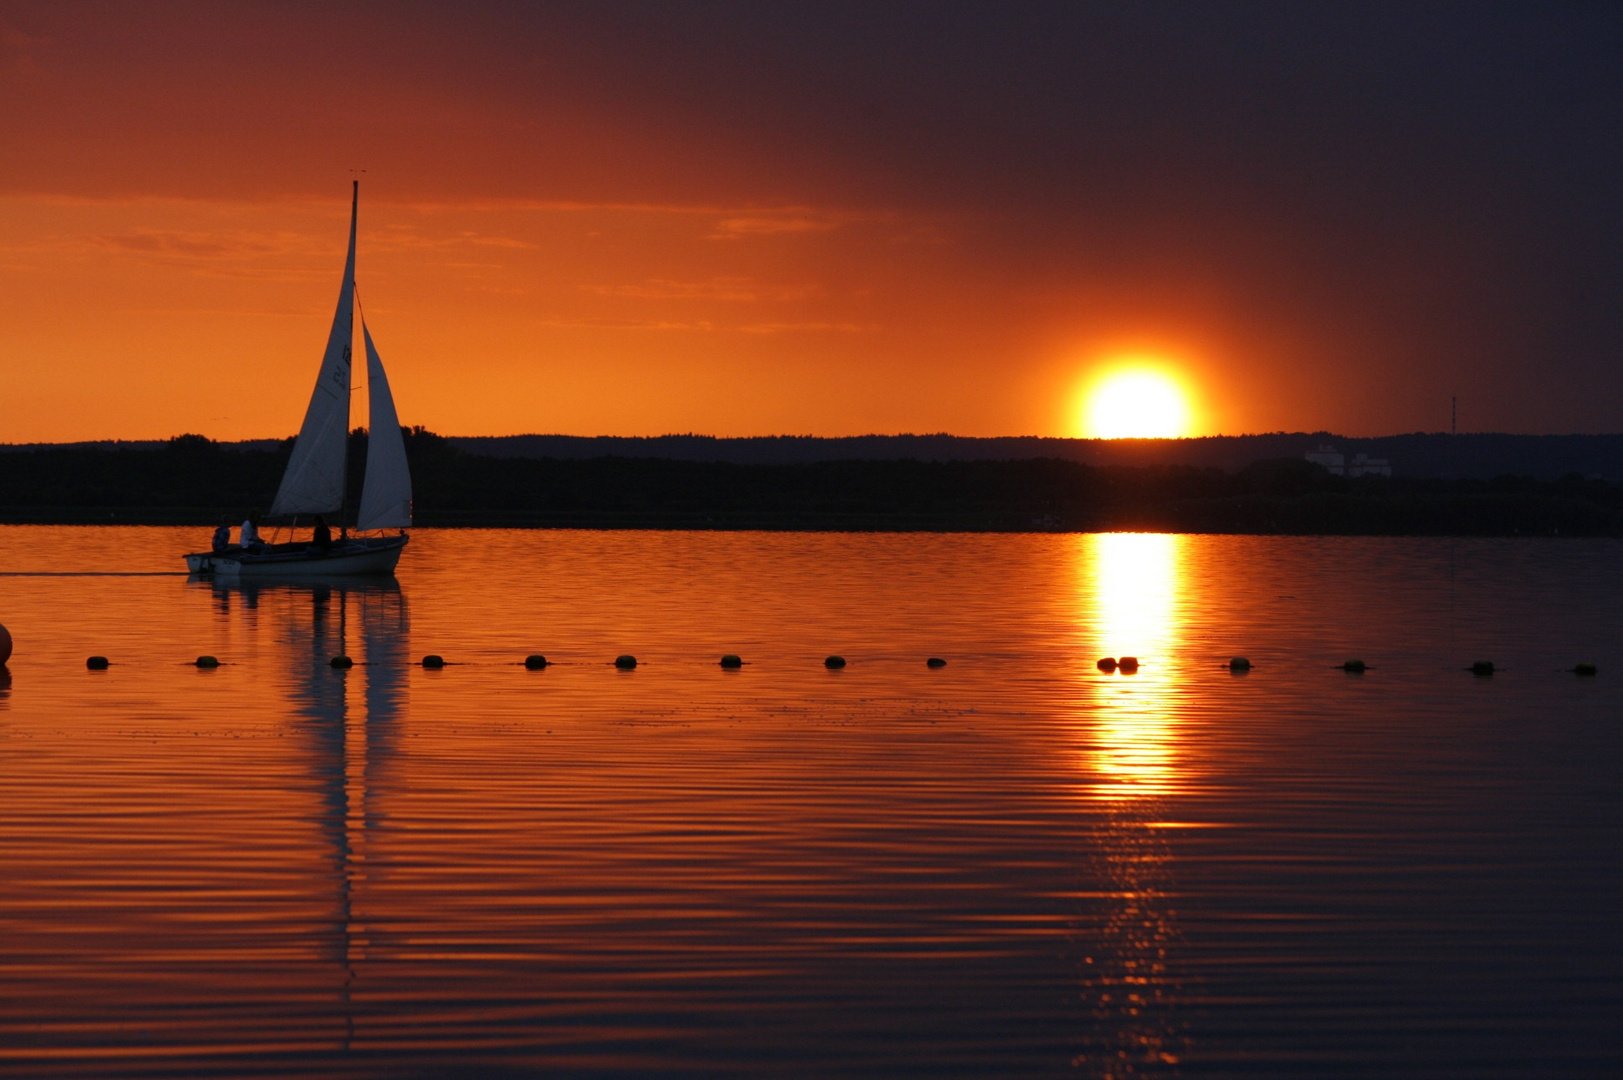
x,y
625,662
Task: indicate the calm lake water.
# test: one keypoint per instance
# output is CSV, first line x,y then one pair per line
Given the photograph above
x,y
1013,865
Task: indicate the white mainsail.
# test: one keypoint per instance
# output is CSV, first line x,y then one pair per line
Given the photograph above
x,y
314,480
386,492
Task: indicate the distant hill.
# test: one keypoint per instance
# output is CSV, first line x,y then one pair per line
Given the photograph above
x,y
190,480
1419,456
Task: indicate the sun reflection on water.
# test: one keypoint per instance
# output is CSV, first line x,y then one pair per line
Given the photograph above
x,y
1130,606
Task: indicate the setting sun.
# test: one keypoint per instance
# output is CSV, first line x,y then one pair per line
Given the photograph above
x,y
1137,404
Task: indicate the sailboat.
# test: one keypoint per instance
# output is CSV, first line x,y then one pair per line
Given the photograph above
x,y
313,484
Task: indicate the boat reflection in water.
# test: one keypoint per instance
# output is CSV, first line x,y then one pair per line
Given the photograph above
x,y
1130,605
348,718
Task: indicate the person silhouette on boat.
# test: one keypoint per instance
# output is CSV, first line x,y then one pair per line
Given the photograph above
x,y
323,537
250,532
222,535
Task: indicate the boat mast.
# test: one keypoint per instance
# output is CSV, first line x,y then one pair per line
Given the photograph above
x,y
349,349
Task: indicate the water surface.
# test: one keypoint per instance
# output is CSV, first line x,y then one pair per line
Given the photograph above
x,y
1012,865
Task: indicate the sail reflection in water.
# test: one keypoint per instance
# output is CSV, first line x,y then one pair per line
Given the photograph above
x,y
1128,584
348,720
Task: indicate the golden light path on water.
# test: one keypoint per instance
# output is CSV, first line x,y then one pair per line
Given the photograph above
x,y
1129,606
1129,588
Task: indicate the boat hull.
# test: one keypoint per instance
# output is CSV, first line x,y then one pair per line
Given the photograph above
x,y
359,555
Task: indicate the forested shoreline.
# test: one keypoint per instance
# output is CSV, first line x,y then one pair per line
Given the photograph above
x,y
192,481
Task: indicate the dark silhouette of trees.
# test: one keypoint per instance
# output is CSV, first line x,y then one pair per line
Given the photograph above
x,y
192,480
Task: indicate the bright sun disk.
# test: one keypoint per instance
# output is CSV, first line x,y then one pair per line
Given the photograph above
x,y
1137,405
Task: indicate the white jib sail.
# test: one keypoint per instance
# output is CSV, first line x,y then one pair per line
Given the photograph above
x,y
386,493
314,481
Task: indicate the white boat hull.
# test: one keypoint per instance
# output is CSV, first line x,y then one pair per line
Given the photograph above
x,y
346,557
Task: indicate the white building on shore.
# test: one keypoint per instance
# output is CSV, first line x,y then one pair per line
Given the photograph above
x,y
1360,465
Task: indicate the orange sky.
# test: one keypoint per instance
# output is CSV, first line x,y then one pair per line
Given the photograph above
x,y
622,221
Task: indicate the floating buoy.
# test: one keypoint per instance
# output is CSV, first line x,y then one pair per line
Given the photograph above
x,y
535,661
342,662
1107,663
1128,664
5,645
433,660
97,663
1239,663
1357,667
935,661
626,662
1585,669
731,660
208,661
834,662
1482,668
